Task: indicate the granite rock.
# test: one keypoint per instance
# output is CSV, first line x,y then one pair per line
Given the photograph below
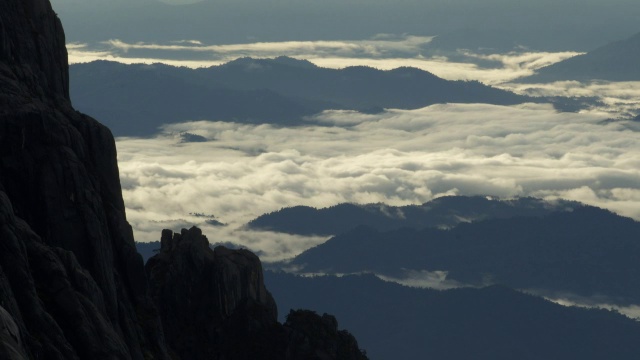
x,y
70,271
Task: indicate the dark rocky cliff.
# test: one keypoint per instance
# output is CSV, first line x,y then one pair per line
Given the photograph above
x,y
214,305
197,289
70,276
72,285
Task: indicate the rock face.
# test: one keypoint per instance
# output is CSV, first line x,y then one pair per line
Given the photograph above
x,y
197,288
214,305
72,285
70,277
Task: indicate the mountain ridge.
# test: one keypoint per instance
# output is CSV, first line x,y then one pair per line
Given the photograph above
x,y
281,91
611,62
588,251
495,322
443,212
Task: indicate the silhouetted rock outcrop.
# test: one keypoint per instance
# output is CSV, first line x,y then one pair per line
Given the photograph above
x,y
196,289
69,272
214,305
317,337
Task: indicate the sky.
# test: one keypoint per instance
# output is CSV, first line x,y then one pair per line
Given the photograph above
x,y
398,156
543,25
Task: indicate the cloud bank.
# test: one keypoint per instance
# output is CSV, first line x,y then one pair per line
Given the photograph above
x,y
382,51
595,302
397,157
620,99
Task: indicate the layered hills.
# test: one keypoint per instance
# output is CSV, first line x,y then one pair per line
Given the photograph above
x,y
492,256
443,212
587,251
137,99
399,322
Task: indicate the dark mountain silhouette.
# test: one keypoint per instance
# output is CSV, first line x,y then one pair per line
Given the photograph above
x,y
587,251
149,249
137,99
357,87
72,285
397,322
71,281
444,212
134,100
613,62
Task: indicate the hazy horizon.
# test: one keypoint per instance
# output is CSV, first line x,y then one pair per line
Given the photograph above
x,y
577,25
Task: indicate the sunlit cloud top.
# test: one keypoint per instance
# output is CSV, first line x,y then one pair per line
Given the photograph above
x,y
396,157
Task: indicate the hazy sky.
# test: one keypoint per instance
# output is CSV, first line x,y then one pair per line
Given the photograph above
x,y
550,25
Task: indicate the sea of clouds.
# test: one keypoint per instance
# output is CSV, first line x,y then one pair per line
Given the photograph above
x,y
396,157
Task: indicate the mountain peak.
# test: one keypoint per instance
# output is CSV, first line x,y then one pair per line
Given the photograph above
x,y
286,60
258,63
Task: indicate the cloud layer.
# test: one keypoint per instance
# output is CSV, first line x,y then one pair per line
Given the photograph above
x,y
396,157
619,98
382,51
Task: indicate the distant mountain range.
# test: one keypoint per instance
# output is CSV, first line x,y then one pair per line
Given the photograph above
x,y
486,248
587,251
444,212
616,61
494,323
134,100
357,87
137,99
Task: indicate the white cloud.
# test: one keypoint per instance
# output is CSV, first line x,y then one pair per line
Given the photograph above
x,y
619,98
376,47
425,280
396,157
594,302
524,63
84,53
383,52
